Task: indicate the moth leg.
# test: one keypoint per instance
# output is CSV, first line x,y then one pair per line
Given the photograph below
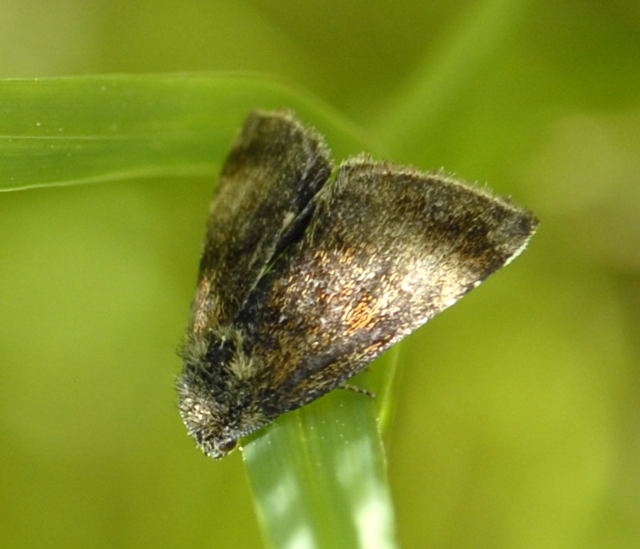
x,y
357,389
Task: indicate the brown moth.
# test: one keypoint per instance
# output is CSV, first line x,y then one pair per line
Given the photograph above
x,y
305,279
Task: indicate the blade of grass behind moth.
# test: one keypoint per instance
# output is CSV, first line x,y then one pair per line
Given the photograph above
x,y
387,378
64,131
319,476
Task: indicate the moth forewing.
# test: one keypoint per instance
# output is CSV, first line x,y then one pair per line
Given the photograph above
x,y
274,168
386,249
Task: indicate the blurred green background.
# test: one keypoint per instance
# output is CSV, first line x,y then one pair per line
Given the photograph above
x,y
517,422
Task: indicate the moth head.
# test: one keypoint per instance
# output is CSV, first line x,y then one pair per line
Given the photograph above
x,y
216,397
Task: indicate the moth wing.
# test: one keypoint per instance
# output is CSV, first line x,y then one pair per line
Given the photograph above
x,y
387,248
275,167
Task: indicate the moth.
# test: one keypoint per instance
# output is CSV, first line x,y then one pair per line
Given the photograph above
x,y
307,275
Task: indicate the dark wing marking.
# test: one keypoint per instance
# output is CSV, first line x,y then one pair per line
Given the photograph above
x,y
275,167
386,249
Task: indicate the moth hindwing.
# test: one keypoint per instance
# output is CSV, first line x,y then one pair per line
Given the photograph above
x,y
304,280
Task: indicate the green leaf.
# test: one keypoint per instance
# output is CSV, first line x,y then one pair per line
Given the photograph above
x,y
86,129
320,477
318,474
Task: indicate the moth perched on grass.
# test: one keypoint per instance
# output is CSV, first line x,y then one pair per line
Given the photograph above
x,y
304,279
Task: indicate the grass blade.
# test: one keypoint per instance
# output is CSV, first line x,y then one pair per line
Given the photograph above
x,y
64,131
320,477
